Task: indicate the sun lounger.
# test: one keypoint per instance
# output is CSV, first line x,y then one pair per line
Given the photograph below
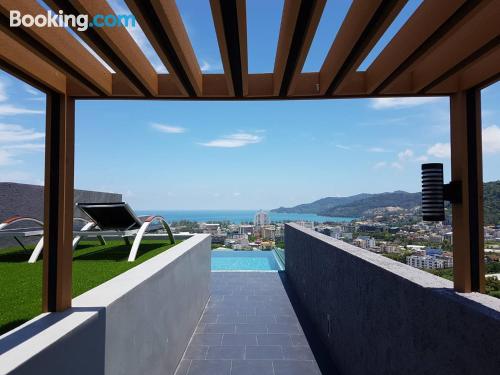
x,y
6,230
118,219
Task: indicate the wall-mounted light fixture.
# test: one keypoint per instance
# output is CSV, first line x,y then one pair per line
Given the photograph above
x,y
435,192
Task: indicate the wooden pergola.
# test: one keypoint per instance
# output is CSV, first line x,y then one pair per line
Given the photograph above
x,y
448,48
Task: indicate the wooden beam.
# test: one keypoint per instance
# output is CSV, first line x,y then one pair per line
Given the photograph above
x,y
467,167
231,27
480,74
24,64
58,203
299,22
430,23
363,26
162,23
114,45
57,47
465,46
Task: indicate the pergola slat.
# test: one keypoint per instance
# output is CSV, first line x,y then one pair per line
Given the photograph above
x,y
57,47
23,63
162,23
475,39
231,27
431,22
114,44
299,22
483,72
363,26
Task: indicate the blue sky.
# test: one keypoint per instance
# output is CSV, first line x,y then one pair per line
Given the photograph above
x,y
237,155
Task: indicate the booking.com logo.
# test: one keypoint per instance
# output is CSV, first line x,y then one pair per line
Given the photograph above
x,y
80,22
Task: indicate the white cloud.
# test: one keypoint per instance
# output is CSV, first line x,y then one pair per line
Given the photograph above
x,y
25,147
377,149
405,155
491,139
236,194
3,92
234,140
422,158
6,158
12,110
388,103
343,147
208,67
380,165
396,165
439,150
21,177
168,128
10,133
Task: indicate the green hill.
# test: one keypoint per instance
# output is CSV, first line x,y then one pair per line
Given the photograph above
x,y
357,205
491,194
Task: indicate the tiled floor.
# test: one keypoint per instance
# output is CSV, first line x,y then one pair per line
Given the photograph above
x,y
248,327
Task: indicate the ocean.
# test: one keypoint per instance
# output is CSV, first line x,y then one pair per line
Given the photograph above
x,y
237,216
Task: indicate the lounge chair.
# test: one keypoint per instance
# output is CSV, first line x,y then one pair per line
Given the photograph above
x,y
118,219
22,232
86,226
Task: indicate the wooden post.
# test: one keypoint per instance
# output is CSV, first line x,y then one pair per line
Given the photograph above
x,y
58,202
467,167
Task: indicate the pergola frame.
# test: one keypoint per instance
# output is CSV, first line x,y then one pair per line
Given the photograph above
x,y
446,48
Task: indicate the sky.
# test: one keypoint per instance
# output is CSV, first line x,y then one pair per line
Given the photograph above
x,y
243,155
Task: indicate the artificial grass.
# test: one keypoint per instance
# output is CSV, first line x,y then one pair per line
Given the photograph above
x,y
21,282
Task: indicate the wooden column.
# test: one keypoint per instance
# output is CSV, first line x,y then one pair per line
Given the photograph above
x,y
467,167
58,202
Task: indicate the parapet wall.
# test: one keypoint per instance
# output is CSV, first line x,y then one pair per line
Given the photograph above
x,y
378,316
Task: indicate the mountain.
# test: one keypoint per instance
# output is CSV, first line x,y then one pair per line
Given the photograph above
x,y
491,193
321,205
357,205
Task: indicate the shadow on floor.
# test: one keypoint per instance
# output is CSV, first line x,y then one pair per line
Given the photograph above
x,y
325,363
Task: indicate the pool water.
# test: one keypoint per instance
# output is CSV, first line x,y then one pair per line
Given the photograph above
x,y
227,260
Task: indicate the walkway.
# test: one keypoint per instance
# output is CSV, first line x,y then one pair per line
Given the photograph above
x,y
248,328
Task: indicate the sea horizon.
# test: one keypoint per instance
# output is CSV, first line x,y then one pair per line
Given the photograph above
x,y
238,216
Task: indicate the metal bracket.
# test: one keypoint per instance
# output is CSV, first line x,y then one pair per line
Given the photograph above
x,y
453,192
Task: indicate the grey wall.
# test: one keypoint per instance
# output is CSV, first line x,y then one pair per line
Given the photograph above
x,y
27,200
137,323
378,316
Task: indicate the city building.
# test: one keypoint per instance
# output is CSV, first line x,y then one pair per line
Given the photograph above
x,y
261,218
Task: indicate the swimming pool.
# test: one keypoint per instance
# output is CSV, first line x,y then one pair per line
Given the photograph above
x,y
229,260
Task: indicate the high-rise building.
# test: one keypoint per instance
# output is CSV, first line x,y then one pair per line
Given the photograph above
x,y
261,218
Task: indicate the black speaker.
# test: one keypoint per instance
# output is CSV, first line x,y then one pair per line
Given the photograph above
x,y
433,194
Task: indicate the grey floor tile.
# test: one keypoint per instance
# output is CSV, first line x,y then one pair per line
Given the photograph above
x,y
183,367
264,352
196,352
274,339
239,339
226,352
216,328
252,367
284,328
206,339
251,328
302,353
210,367
295,368
299,340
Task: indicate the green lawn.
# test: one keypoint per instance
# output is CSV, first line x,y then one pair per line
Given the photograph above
x,y
21,283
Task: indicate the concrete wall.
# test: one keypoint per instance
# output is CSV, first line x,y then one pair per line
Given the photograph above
x,y
140,322
27,200
378,316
